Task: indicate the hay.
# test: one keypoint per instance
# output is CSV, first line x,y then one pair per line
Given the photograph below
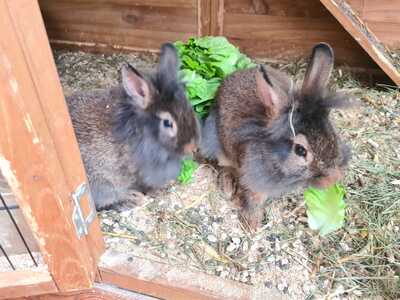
x,y
195,226
395,57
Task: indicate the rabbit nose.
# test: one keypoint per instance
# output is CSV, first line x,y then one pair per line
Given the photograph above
x,y
189,148
331,176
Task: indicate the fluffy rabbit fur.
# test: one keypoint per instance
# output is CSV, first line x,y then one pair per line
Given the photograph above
x,y
133,137
276,136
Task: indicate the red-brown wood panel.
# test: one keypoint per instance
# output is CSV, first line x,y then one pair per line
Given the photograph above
x,y
135,24
387,32
32,160
367,40
286,29
44,75
382,17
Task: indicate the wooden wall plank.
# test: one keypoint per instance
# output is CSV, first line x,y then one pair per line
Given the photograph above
x,y
133,24
289,38
137,25
140,40
282,8
154,3
388,33
25,283
382,17
171,19
381,11
288,30
368,42
239,6
130,3
29,159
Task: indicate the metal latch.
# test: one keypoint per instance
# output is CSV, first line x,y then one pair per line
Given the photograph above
x,y
82,224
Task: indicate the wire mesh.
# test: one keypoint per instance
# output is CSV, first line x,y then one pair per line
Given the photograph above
x,y
8,215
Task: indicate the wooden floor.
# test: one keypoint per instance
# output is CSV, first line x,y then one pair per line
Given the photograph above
x,y
122,292
99,292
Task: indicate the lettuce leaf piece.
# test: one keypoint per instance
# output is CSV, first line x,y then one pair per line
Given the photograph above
x,y
325,208
198,88
187,169
244,62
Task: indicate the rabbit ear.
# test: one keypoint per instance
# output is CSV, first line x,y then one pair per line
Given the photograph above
x,y
280,81
319,69
270,99
169,63
135,86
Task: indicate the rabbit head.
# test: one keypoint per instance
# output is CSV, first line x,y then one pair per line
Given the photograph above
x,y
298,146
157,107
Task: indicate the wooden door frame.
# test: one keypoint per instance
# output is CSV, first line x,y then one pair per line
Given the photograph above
x,y
39,155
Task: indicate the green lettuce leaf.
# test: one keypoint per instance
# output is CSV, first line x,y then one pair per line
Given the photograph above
x,y
205,62
325,208
187,169
198,88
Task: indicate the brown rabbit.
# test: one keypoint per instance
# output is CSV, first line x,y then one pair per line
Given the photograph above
x,y
133,136
277,137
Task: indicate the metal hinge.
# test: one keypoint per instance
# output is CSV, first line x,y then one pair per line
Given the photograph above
x,y
82,224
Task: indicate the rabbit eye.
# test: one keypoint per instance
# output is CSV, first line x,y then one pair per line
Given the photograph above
x,y
167,123
300,150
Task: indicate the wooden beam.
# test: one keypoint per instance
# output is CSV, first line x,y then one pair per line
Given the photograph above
x,y
25,283
172,282
203,17
29,159
217,17
99,292
163,291
360,32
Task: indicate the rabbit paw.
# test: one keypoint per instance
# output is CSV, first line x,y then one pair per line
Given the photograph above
x,y
252,219
124,206
134,199
138,198
227,183
252,209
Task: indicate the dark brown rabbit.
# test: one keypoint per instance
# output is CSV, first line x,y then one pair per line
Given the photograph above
x,y
133,136
276,136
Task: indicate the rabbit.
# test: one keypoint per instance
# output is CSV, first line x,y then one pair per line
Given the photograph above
x,y
275,136
134,136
